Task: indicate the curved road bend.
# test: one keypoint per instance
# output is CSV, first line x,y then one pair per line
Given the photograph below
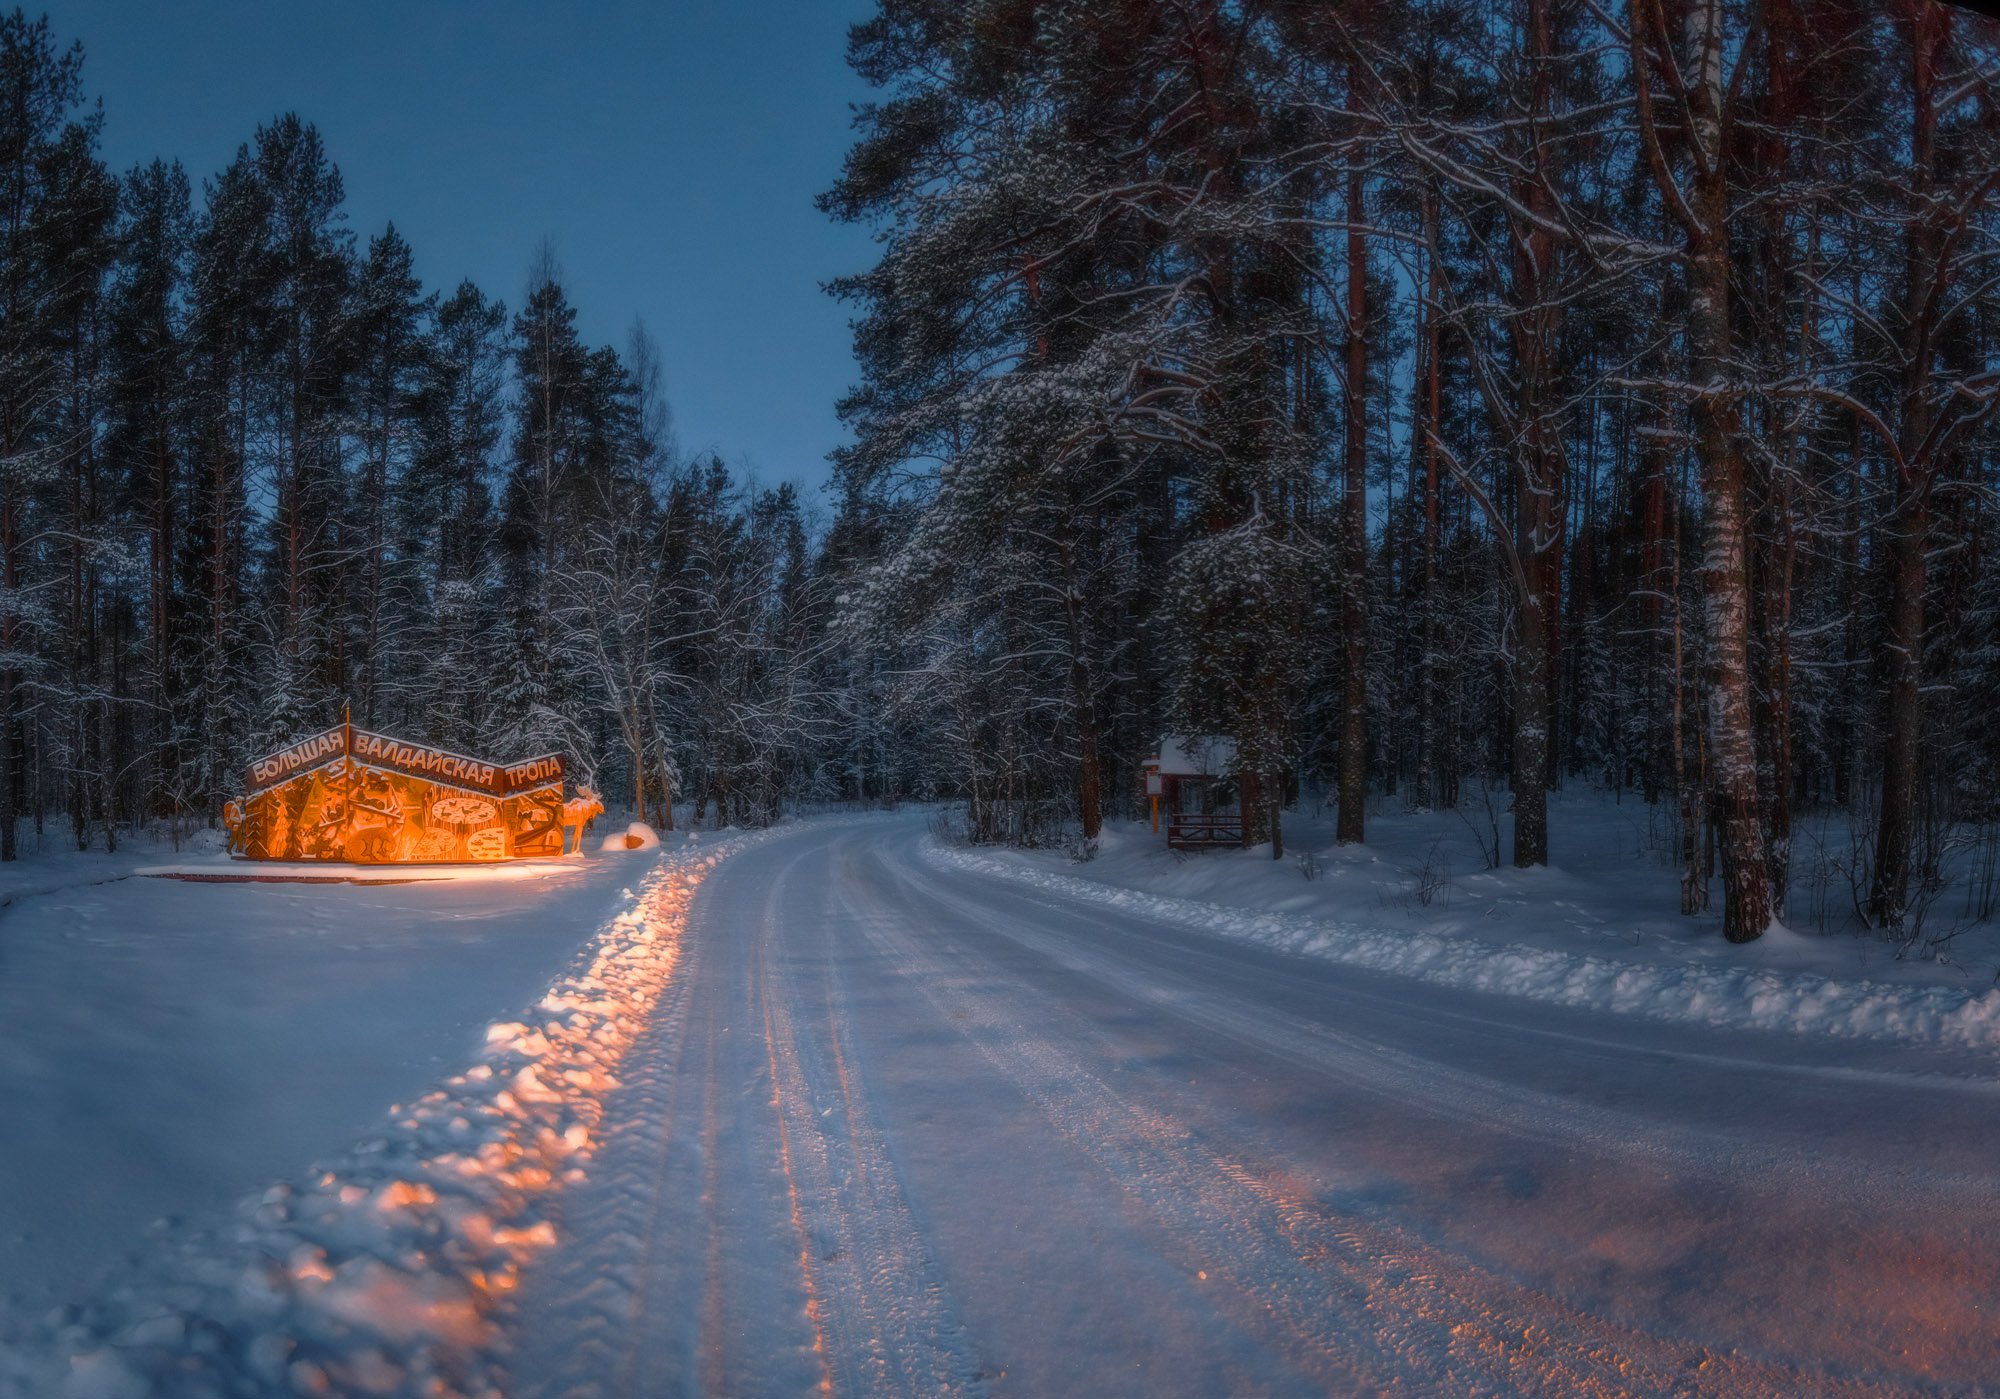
x,y
911,1131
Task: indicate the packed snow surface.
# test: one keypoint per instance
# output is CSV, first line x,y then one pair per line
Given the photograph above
x,y
1758,993
826,1110
167,1046
377,1270
913,1129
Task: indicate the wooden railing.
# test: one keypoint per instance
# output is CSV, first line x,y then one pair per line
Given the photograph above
x,y
1199,832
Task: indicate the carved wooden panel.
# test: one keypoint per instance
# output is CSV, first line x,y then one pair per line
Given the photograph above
x,y
370,799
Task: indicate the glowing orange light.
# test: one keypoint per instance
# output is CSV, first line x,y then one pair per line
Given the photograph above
x,y
365,798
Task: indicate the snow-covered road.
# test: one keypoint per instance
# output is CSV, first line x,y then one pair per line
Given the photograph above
x,y
896,1128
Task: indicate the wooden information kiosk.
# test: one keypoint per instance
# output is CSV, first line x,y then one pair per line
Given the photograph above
x,y
365,798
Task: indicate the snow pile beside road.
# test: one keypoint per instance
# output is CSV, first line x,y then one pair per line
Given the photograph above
x,y
1752,998
637,836
384,1272
225,869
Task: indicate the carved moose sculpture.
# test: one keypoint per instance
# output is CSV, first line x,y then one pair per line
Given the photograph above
x,y
577,813
238,826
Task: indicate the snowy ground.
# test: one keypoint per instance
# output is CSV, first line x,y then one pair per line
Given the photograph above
x,y
834,1109
904,1128
1599,928
166,1047
1613,882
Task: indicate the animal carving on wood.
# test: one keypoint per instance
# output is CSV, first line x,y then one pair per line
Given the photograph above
x,y
578,812
350,795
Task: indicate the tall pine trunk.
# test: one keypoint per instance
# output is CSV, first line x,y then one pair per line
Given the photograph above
x,y
1538,502
1350,827
1531,734
1427,602
1909,526
1732,756
1703,211
10,680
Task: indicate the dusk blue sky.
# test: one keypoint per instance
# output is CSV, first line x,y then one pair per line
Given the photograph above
x,y
671,150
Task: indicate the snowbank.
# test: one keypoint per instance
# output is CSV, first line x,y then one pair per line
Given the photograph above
x,y
224,869
168,1046
637,836
1736,997
382,1271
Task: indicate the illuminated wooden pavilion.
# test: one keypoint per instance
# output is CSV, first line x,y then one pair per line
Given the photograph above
x,y
350,795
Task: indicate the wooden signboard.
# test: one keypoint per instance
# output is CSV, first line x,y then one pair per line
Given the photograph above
x,y
370,799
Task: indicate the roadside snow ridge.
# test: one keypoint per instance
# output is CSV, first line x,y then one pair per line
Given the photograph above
x,y
1733,997
387,1271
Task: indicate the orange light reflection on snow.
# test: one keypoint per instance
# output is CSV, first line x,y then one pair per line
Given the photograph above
x,y
534,1113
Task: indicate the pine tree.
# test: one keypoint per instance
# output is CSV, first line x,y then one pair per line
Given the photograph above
x,y
42,135
148,439
388,348
310,549
446,520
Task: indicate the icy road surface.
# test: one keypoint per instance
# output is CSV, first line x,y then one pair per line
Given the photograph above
x,y
898,1129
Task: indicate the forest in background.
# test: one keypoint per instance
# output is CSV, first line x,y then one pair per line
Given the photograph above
x,y
254,476
1424,392
1427,394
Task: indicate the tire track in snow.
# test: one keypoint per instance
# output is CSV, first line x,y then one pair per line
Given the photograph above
x,y
744,1230
815,1309
711,1360
882,1310
1258,1281
670,1272
604,1271
393,1268
1925,1218
1459,1095
653,1197
1358,1305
